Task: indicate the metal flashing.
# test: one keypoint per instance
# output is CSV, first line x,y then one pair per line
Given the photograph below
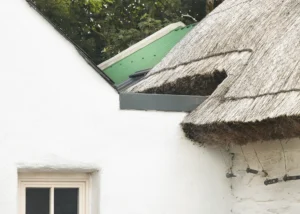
x,y
160,102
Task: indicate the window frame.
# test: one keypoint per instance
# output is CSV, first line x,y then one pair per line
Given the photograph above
x,y
55,180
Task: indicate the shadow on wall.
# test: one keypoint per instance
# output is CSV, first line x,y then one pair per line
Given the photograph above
x,y
281,160
277,190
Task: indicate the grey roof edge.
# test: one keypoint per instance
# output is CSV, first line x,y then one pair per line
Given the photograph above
x,y
160,102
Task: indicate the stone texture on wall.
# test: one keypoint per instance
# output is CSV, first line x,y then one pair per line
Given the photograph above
x,y
250,193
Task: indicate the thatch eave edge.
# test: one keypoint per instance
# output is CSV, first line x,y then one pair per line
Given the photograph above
x,y
241,133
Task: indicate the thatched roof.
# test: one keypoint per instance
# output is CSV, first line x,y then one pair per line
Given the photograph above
x,y
253,46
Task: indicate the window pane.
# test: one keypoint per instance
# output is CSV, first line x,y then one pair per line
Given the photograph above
x,y
37,200
66,201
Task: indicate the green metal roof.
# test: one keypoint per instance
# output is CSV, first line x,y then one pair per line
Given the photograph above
x,y
146,57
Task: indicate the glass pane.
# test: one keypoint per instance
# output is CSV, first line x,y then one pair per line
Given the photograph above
x,y
37,200
66,200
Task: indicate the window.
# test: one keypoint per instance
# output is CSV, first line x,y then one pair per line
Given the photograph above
x,y
45,193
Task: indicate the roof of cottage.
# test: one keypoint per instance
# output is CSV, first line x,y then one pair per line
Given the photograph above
x,y
144,54
246,56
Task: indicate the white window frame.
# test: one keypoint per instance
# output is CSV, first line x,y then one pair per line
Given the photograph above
x,y
55,180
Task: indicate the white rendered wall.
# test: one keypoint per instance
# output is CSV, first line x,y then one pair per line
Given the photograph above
x,y
56,112
277,158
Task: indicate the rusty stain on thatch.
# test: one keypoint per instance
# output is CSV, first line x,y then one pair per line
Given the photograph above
x,y
255,45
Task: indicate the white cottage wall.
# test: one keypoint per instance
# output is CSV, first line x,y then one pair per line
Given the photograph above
x,y
56,113
277,158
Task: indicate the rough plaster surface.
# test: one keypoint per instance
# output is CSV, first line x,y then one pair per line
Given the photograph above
x,y
57,114
277,158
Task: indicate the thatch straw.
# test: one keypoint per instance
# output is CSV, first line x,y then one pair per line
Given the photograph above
x,y
257,44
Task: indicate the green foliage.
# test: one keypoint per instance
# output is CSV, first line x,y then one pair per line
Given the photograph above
x,y
104,28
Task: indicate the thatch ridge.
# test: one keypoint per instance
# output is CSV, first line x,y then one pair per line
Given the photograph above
x,y
260,97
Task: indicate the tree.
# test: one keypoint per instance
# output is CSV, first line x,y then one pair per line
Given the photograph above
x,y
103,28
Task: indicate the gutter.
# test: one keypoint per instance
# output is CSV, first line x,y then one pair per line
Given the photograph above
x,y
155,102
160,102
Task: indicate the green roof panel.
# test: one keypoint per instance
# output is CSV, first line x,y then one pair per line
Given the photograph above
x,y
146,57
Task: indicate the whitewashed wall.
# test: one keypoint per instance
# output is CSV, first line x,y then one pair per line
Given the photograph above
x,y
56,112
277,158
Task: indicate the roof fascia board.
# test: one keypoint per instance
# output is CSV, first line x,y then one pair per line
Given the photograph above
x,y
140,45
160,102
